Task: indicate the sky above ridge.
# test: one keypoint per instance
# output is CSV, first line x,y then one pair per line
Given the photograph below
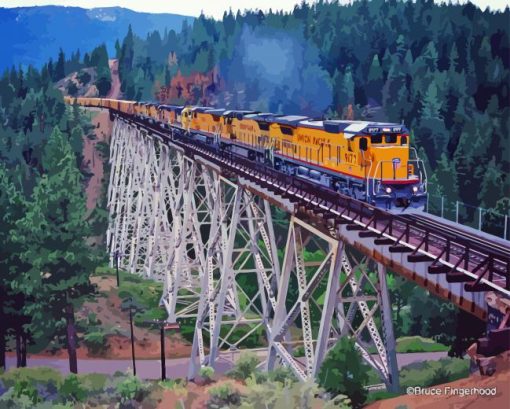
x,y
213,8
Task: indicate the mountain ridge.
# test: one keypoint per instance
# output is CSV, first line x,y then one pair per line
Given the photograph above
x,y
32,35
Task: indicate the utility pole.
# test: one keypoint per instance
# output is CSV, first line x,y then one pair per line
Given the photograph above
x,y
163,325
132,335
163,361
117,267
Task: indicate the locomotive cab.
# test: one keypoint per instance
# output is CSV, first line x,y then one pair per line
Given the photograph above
x,y
396,176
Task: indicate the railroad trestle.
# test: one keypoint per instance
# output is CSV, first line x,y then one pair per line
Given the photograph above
x,y
253,256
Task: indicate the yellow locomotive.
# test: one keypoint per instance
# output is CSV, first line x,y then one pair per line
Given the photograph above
x,y
370,161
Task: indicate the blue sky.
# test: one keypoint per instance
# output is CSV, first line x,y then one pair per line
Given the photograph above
x,y
213,8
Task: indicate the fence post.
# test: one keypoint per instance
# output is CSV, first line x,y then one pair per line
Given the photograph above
x,y
456,211
480,218
506,227
442,207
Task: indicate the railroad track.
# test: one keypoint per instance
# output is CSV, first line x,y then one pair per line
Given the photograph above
x,y
465,253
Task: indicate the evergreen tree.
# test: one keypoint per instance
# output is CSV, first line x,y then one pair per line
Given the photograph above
x,y
117,49
375,80
492,185
12,208
60,67
99,59
53,235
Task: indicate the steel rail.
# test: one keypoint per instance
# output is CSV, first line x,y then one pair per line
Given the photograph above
x,y
456,252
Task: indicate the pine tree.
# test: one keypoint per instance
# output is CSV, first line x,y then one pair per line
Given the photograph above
x,y
492,185
60,67
126,58
53,234
12,208
431,103
117,49
375,80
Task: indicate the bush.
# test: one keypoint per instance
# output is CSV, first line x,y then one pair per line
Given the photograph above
x,y
379,395
440,375
84,77
244,367
282,375
10,400
224,395
72,389
434,372
33,376
131,388
95,342
94,382
207,373
144,296
24,388
299,352
141,318
343,372
303,395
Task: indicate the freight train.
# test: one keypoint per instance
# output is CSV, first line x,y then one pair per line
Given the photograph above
x,y
370,161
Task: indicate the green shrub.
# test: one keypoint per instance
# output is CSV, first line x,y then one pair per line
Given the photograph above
x,y
343,372
433,372
92,320
224,395
187,329
10,400
23,388
303,395
95,342
93,382
299,352
440,375
282,375
131,388
207,373
379,395
169,383
143,318
72,389
33,376
146,293
244,367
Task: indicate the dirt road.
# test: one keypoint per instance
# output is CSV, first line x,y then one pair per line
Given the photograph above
x,y
175,368
115,87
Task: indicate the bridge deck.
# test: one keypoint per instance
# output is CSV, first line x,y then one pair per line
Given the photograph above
x,y
446,259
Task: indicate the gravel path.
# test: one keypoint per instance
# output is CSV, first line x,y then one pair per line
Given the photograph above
x,y
175,368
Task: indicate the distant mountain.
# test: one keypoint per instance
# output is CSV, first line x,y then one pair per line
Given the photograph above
x,y
31,35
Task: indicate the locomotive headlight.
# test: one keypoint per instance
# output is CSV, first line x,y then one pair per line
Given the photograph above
x,y
388,190
415,189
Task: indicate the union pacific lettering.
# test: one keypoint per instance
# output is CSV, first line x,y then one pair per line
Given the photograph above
x,y
314,140
246,127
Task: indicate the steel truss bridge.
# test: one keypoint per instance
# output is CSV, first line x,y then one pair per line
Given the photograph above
x,y
209,225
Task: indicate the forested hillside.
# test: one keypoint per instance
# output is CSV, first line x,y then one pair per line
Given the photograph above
x,y
443,70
